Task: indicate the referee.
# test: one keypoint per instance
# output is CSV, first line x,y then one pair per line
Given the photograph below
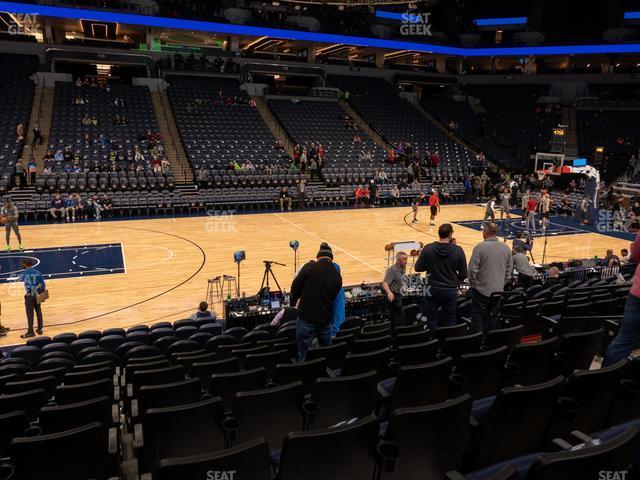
x,y
10,213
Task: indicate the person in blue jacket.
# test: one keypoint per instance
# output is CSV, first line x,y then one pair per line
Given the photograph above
x,y
339,306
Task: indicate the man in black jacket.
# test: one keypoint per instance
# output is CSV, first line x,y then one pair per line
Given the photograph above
x,y
315,288
446,266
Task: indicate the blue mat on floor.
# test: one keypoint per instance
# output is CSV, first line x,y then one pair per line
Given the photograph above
x,y
557,226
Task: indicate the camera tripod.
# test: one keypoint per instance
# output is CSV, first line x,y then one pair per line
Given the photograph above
x,y
269,273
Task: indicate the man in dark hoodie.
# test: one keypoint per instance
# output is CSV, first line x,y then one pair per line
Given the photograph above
x,y
446,266
315,289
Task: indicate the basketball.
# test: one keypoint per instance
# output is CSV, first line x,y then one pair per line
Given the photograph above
x,y
3,220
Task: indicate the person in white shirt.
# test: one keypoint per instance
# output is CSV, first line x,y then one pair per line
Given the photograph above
x,y
545,207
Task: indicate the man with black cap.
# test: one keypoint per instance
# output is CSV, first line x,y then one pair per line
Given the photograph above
x,y
314,290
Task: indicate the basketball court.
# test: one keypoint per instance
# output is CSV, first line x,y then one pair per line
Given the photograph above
x,y
122,273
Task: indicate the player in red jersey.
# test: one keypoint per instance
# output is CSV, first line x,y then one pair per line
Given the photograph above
x,y
434,205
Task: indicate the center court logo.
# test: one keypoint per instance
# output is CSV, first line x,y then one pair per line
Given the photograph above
x,y
414,24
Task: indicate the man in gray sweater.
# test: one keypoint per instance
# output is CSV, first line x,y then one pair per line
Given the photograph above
x,y
490,268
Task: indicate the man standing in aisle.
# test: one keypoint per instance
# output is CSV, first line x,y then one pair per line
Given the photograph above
x,y
315,289
490,269
628,337
446,266
10,213
392,284
33,284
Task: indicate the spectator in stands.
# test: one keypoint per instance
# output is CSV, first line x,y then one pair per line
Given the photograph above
x,y
373,193
624,256
203,313
490,270
564,208
477,186
446,267
391,156
435,159
395,194
20,131
71,208
393,285
20,177
554,277
37,135
467,188
303,160
94,121
80,207
58,205
484,179
93,209
313,168
359,195
314,291
86,120
357,139
321,152
203,176
33,285
302,193
32,169
381,176
525,270
107,206
285,198
411,176
609,257
628,337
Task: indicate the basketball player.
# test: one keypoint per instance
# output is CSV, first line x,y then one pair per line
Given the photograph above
x,y
505,198
524,202
532,206
545,207
9,214
490,212
434,205
416,205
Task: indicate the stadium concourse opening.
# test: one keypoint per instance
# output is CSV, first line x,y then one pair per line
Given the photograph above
x,y
311,240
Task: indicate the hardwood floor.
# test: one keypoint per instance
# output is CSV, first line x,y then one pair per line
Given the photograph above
x,y
169,260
